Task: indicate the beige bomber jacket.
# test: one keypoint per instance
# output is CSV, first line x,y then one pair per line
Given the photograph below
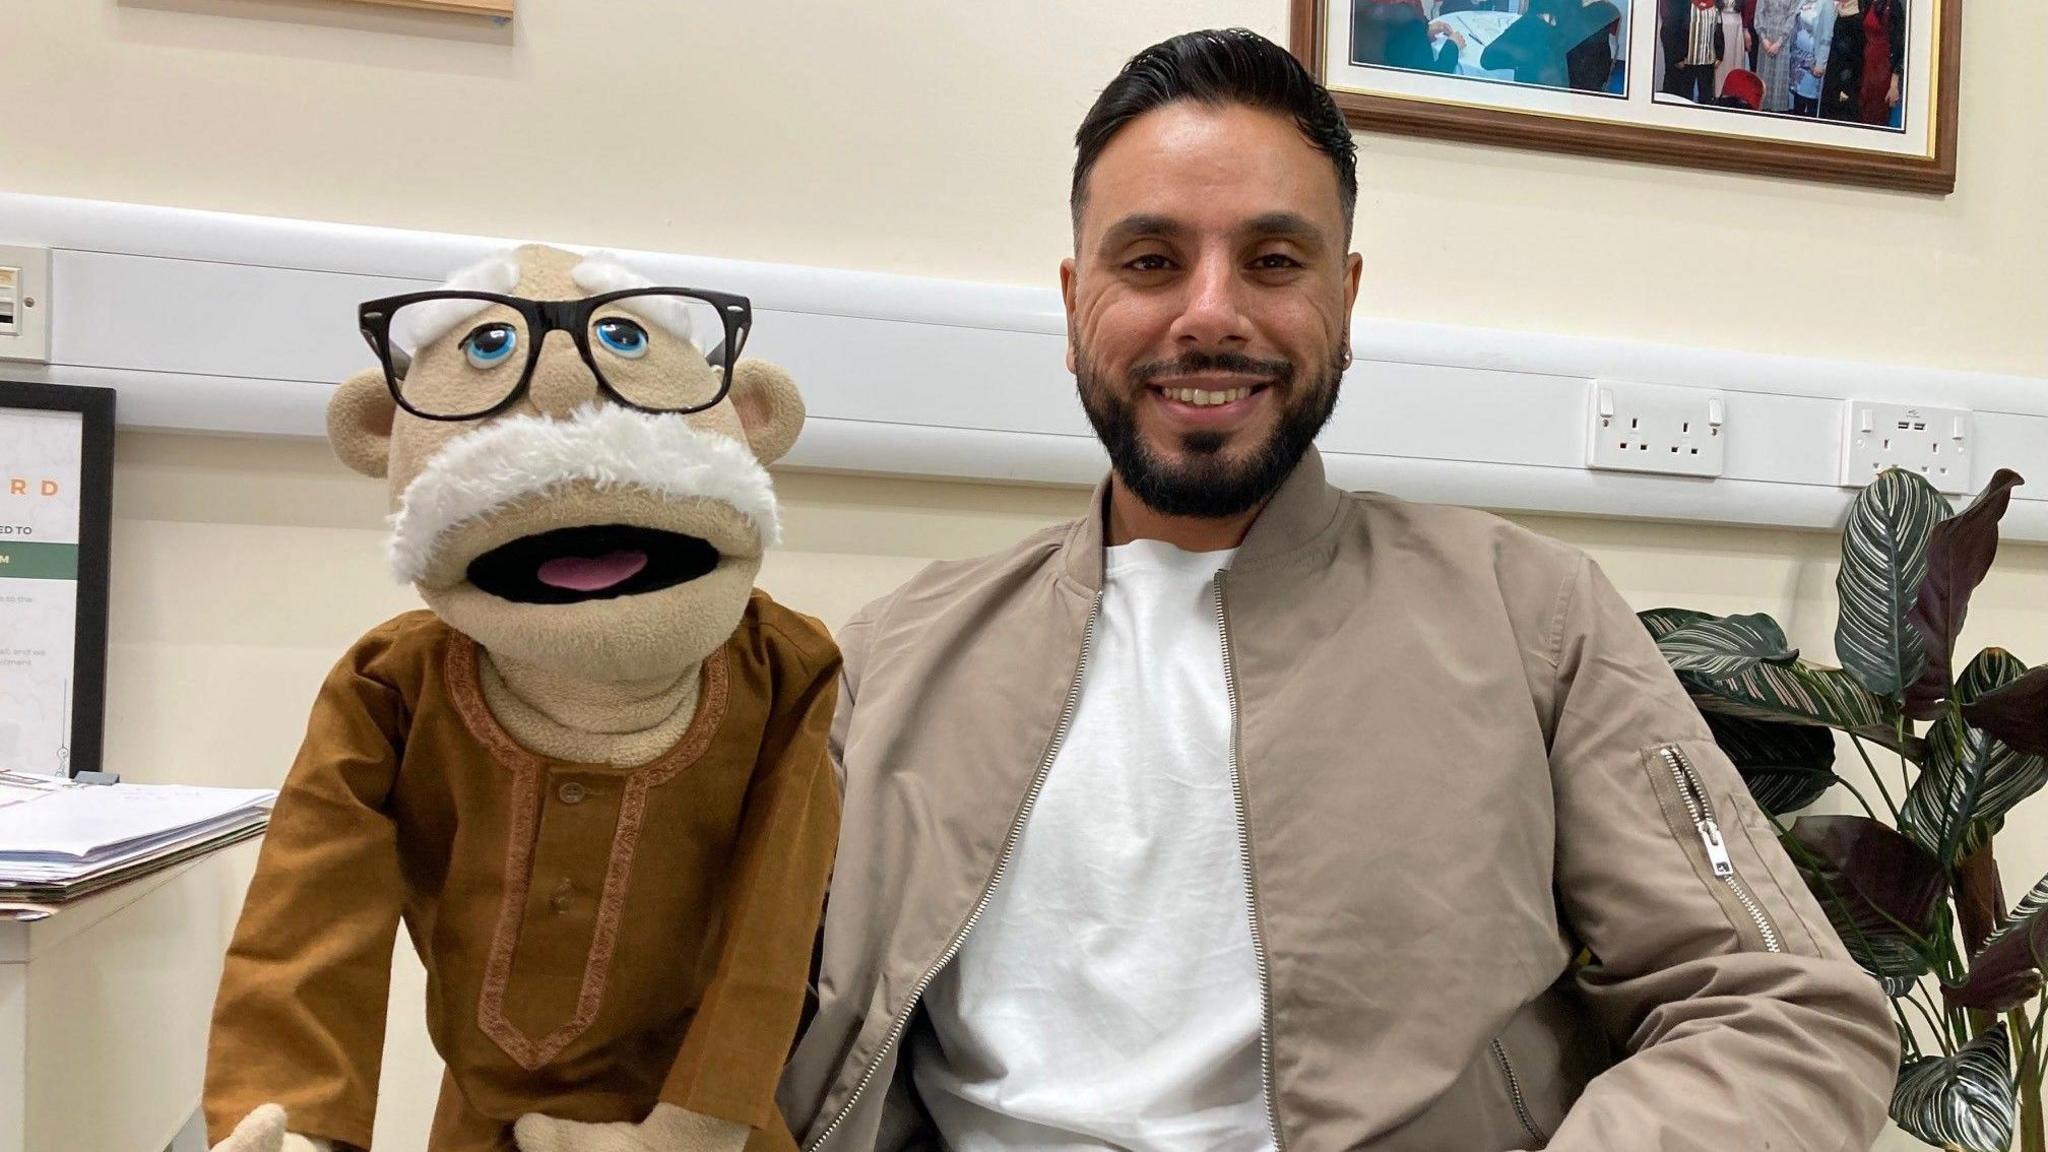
x,y
1460,764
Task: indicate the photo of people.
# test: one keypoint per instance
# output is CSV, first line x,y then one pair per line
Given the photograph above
x,y
1857,92
1578,45
1837,60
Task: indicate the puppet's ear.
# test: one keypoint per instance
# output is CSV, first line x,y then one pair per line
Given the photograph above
x,y
769,407
359,416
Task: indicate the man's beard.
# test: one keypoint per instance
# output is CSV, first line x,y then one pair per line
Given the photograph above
x,y
1204,483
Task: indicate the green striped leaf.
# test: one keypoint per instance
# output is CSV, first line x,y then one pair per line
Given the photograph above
x,y
1803,694
1662,622
1884,561
1978,836
1726,646
1969,776
2016,713
1787,766
1897,986
1967,1101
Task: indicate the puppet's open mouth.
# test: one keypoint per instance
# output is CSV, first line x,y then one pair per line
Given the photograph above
x,y
600,562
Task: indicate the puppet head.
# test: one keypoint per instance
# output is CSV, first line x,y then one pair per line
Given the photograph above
x,y
606,519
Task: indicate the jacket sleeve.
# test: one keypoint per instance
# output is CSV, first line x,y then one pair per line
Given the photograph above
x,y
734,1051
1741,1019
299,1019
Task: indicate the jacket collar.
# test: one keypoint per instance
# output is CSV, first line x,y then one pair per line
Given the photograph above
x,y
1298,513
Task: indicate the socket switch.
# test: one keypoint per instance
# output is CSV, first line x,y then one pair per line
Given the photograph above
x,y
1656,428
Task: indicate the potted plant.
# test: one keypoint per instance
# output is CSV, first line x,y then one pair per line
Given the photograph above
x,y
1914,891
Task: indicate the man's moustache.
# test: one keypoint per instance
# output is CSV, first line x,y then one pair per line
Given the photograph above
x,y
1213,364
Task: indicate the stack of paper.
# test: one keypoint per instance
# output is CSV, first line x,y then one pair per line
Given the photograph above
x,y
60,839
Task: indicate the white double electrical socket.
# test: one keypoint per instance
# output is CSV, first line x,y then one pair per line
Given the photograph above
x,y
1934,442
1656,428
24,303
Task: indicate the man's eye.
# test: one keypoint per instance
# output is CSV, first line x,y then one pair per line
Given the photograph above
x,y
1152,262
1275,260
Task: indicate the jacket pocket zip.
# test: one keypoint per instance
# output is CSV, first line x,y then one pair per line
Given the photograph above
x,y
1507,1071
902,1020
1701,810
1251,895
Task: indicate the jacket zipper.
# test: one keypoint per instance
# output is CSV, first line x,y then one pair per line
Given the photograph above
x,y
1702,812
902,1021
1500,1056
1251,895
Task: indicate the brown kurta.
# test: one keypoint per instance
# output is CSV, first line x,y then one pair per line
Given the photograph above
x,y
596,938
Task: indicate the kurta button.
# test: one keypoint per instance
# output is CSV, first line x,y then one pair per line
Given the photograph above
x,y
572,793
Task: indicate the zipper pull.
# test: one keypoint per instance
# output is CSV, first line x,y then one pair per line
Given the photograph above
x,y
1717,851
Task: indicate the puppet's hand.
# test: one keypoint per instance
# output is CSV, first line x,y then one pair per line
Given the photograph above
x,y
666,1129
259,1131
263,1131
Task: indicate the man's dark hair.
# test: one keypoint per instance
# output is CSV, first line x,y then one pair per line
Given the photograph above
x,y
1218,67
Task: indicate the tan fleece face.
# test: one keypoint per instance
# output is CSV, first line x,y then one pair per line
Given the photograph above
x,y
568,531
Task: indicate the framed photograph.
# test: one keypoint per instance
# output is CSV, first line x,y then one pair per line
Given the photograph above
x,y
1853,91
498,9
56,502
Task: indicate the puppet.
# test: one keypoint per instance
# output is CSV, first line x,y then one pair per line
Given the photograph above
x,y
590,779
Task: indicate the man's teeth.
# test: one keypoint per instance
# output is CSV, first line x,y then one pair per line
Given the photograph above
x,y
1205,399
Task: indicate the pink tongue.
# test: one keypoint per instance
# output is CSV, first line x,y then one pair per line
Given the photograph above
x,y
591,573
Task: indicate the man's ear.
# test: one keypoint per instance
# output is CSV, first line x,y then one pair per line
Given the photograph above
x,y
359,416
769,407
1067,302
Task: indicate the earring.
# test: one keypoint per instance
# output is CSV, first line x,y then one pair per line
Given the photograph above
x,y
1347,356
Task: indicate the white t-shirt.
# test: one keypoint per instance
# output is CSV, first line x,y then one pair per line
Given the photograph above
x,y
1109,995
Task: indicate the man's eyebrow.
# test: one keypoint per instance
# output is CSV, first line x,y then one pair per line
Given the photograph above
x,y
1140,225
1288,224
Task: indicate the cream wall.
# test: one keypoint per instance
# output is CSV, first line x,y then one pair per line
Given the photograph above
x,y
931,138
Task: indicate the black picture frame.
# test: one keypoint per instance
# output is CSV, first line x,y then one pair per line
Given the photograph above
x,y
86,749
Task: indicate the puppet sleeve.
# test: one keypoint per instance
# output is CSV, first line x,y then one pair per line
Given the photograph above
x,y
299,1020
732,1056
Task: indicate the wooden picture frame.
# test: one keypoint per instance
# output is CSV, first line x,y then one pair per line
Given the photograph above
x,y
36,499
495,9
1644,124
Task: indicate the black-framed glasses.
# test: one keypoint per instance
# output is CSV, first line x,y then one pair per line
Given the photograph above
x,y
617,333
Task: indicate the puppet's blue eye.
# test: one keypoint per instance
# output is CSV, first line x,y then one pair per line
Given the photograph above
x,y
622,337
489,345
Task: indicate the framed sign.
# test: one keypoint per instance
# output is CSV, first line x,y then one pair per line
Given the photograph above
x,y
1853,91
56,500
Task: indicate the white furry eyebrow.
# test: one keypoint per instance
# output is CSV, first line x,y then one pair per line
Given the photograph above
x,y
418,325
599,274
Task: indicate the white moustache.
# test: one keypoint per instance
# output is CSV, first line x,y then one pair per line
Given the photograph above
x,y
605,445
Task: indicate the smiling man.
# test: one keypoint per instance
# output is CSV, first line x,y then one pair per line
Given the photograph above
x,y
1249,814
